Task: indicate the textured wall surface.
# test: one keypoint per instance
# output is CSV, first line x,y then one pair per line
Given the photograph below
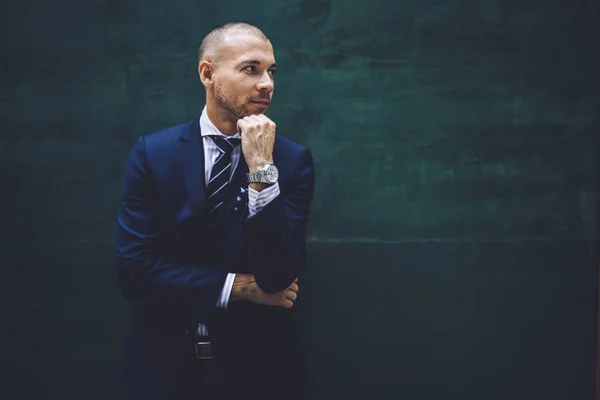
x,y
455,213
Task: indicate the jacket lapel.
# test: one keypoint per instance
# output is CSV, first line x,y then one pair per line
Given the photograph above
x,y
191,159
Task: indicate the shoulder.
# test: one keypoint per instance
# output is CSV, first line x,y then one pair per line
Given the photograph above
x,y
171,136
160,147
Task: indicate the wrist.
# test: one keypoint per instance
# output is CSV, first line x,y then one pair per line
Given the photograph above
x,y
258,163
262,177
258,186
243,288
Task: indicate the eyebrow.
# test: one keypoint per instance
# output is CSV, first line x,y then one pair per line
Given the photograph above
x,y
255,62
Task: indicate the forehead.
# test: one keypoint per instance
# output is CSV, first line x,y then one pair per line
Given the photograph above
x,y
241,47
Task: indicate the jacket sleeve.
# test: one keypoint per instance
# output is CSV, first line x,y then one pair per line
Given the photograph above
x,y
277,234
141,271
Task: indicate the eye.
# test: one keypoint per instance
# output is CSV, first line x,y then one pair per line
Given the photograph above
x,y
272,71
250,68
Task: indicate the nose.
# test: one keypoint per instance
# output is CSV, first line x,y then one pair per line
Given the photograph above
x,y
265,84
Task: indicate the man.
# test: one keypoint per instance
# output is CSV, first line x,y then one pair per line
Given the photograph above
x,y
211,239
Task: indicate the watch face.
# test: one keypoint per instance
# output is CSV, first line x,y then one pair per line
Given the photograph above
x,y
271,174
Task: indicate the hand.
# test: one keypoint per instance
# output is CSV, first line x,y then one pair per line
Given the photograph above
x,y
258,138
245,288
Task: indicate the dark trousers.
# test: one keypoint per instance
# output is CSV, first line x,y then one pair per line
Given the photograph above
x,y
201,380
208,380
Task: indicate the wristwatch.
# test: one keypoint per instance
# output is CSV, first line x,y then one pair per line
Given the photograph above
x,y
267,174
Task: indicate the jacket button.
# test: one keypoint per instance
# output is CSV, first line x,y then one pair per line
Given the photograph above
x,y
186,332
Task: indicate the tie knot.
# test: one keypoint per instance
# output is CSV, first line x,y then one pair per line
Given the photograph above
x,y
225,144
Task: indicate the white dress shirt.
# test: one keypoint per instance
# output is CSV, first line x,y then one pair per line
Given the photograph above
x,y
256,200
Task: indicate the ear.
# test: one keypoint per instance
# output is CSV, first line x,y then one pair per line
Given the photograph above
x,y
205,71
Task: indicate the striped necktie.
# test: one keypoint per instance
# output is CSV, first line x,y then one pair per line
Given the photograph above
x,y
220,174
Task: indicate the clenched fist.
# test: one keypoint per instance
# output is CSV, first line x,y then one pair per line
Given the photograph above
x,y
258,138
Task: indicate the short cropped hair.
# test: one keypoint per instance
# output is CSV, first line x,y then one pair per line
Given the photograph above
x,y
207,50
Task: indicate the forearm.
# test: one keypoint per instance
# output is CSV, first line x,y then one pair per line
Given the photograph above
x,y
150,278
276,234
244,288
276,253
143,271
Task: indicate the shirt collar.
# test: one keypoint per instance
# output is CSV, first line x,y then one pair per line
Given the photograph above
x,y
208,128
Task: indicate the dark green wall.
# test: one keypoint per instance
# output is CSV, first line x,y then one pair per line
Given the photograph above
x,y
454,221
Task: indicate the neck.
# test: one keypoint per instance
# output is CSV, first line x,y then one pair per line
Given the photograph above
x,y
221,119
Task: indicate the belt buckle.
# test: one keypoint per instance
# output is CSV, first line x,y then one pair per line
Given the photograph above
x,y
203,351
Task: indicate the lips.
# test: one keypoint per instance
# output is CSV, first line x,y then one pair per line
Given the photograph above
x,y
262,104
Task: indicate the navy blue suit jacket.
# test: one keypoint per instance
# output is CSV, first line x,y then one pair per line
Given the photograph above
x,y
172,264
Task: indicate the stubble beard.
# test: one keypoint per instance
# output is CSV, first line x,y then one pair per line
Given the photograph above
x,y
227,102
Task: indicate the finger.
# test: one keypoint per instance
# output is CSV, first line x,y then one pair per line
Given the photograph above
x,y
264,121
291,295
253,123
288,304
263,118
242,124
249,121
254,118
293,287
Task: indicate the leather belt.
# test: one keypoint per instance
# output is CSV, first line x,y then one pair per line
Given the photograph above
x,y
203,348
